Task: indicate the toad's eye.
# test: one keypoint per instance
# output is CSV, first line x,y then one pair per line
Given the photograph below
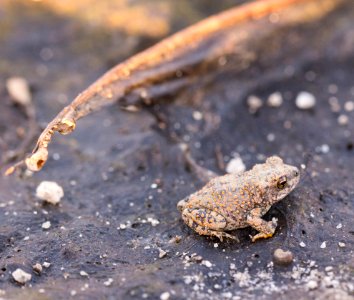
x,y
281,182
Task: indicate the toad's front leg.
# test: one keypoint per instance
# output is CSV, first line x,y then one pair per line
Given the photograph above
x,y
206,222
266,229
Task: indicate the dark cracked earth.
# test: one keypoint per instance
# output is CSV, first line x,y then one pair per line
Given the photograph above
x,y
117,233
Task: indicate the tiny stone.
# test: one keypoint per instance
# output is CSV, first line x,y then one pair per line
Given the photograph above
x,y
339,226
305,100
271,137
282,257
207,263
46,264
165,296
83,273
312,284
37,268
216,245
50,192
197,258
197,115
349,105
46,225
21,276
323,245
324,148
302,245
176,239
343,120
334,103
328,269
162,253
341,245
108,282
235,165
275,99
19,90
254,104
332,88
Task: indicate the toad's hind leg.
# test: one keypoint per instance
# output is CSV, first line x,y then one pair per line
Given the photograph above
x,y
206,222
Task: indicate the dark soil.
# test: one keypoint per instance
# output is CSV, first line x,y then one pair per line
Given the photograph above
x,y
109,165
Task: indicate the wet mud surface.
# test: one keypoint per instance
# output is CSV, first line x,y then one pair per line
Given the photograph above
x,y
122,174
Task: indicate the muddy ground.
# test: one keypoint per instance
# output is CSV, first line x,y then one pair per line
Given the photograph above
x,y
123,175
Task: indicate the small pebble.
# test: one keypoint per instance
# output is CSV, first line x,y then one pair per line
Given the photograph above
x,y
165,296
197,115
312,284
50,192
37,268
108,282
332,88
323,245
341,245
207,263
162,253
302,245
197,258
349,106
275,99
343,120
46,264
305,100
339,226
46,225
21,276
175,240
84,274
235,165
254,104
19,90
282,257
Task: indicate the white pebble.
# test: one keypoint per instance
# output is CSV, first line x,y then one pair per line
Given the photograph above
x,y
343,120
108,282
235,165
18,89
197,115
340,244
312,284
349,105
254,103
323,245
270,137
207,263
275,99
50,192
324,148
165,296
305,100
339,226
46,264
84,274
162,253
21,276
302,244
46,225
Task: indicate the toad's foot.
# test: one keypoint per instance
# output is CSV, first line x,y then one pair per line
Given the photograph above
x,y
206,222
266,229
